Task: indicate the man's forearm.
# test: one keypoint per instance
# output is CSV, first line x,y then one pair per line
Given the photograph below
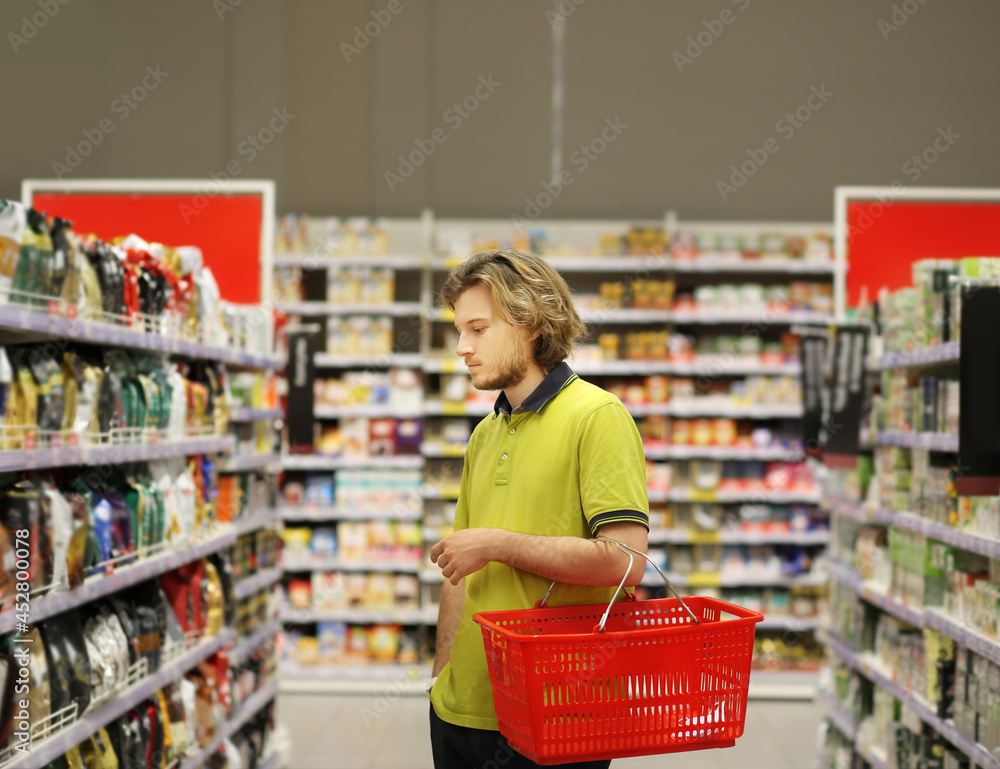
x,y
449,613
571,559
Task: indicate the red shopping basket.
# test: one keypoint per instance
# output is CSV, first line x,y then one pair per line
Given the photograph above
x,y
663,676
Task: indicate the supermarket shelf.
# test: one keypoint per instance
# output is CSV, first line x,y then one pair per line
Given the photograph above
x,y
690,537
789,622
36,324
243,463
619,265
754,266
255,520
839,717
442,450
381,361
366,412
717,367
243,713
97,587
259,581
70,456
873,594
928,616
735,453
395,309
251,414
53,747
708,366
622,367
937,619
715,579
870,667
647,409
337,564
624,315
320,462
254,641
763,318
763,496
848,509
315,513
940,531
938,355
457,409
665,263
359,616
427,491
782,685
386,679
324,261
931,441
692,408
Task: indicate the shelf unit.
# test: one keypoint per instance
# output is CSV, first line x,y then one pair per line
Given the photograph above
x,y
871,668
55,746
59,325
942,360
432,360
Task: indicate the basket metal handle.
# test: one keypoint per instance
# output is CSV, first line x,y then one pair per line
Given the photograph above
x,y
626,549
621,585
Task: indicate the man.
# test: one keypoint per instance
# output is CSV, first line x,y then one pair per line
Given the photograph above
x,y
558,463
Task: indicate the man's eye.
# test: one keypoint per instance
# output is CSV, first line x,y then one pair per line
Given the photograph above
x,y
479,330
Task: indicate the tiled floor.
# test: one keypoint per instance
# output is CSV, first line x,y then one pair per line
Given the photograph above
x,y
364,732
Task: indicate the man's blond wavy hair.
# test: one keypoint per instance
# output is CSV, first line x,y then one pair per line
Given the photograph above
x,y
527,292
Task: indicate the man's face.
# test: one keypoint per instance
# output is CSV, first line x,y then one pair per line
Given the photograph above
x,y
497,353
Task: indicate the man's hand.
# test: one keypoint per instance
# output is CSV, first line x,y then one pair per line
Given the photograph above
x,y
464,552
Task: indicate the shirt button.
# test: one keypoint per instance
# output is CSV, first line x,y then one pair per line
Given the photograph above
x,y
512,431
504,457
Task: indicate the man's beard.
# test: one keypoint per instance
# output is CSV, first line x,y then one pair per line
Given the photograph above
x,y
511,369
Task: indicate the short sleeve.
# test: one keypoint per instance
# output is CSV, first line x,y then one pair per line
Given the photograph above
x,y
612,468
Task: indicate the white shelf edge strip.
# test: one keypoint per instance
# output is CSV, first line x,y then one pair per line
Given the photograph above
x,y
259,581
94,589
254,641
74,734
406,567
415,616
675,537
256,520
18,460
251,414
939,354
247,462
319,462
292,513
966,540
873,595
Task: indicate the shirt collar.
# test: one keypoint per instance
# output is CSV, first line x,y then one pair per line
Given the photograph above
x,y
558,378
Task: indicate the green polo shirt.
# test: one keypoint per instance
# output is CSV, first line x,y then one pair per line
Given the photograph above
x,y
565,462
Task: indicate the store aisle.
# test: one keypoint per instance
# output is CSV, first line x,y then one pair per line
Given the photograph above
x,y
349,732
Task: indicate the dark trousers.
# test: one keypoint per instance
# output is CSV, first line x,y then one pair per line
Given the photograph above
x,y
460,747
